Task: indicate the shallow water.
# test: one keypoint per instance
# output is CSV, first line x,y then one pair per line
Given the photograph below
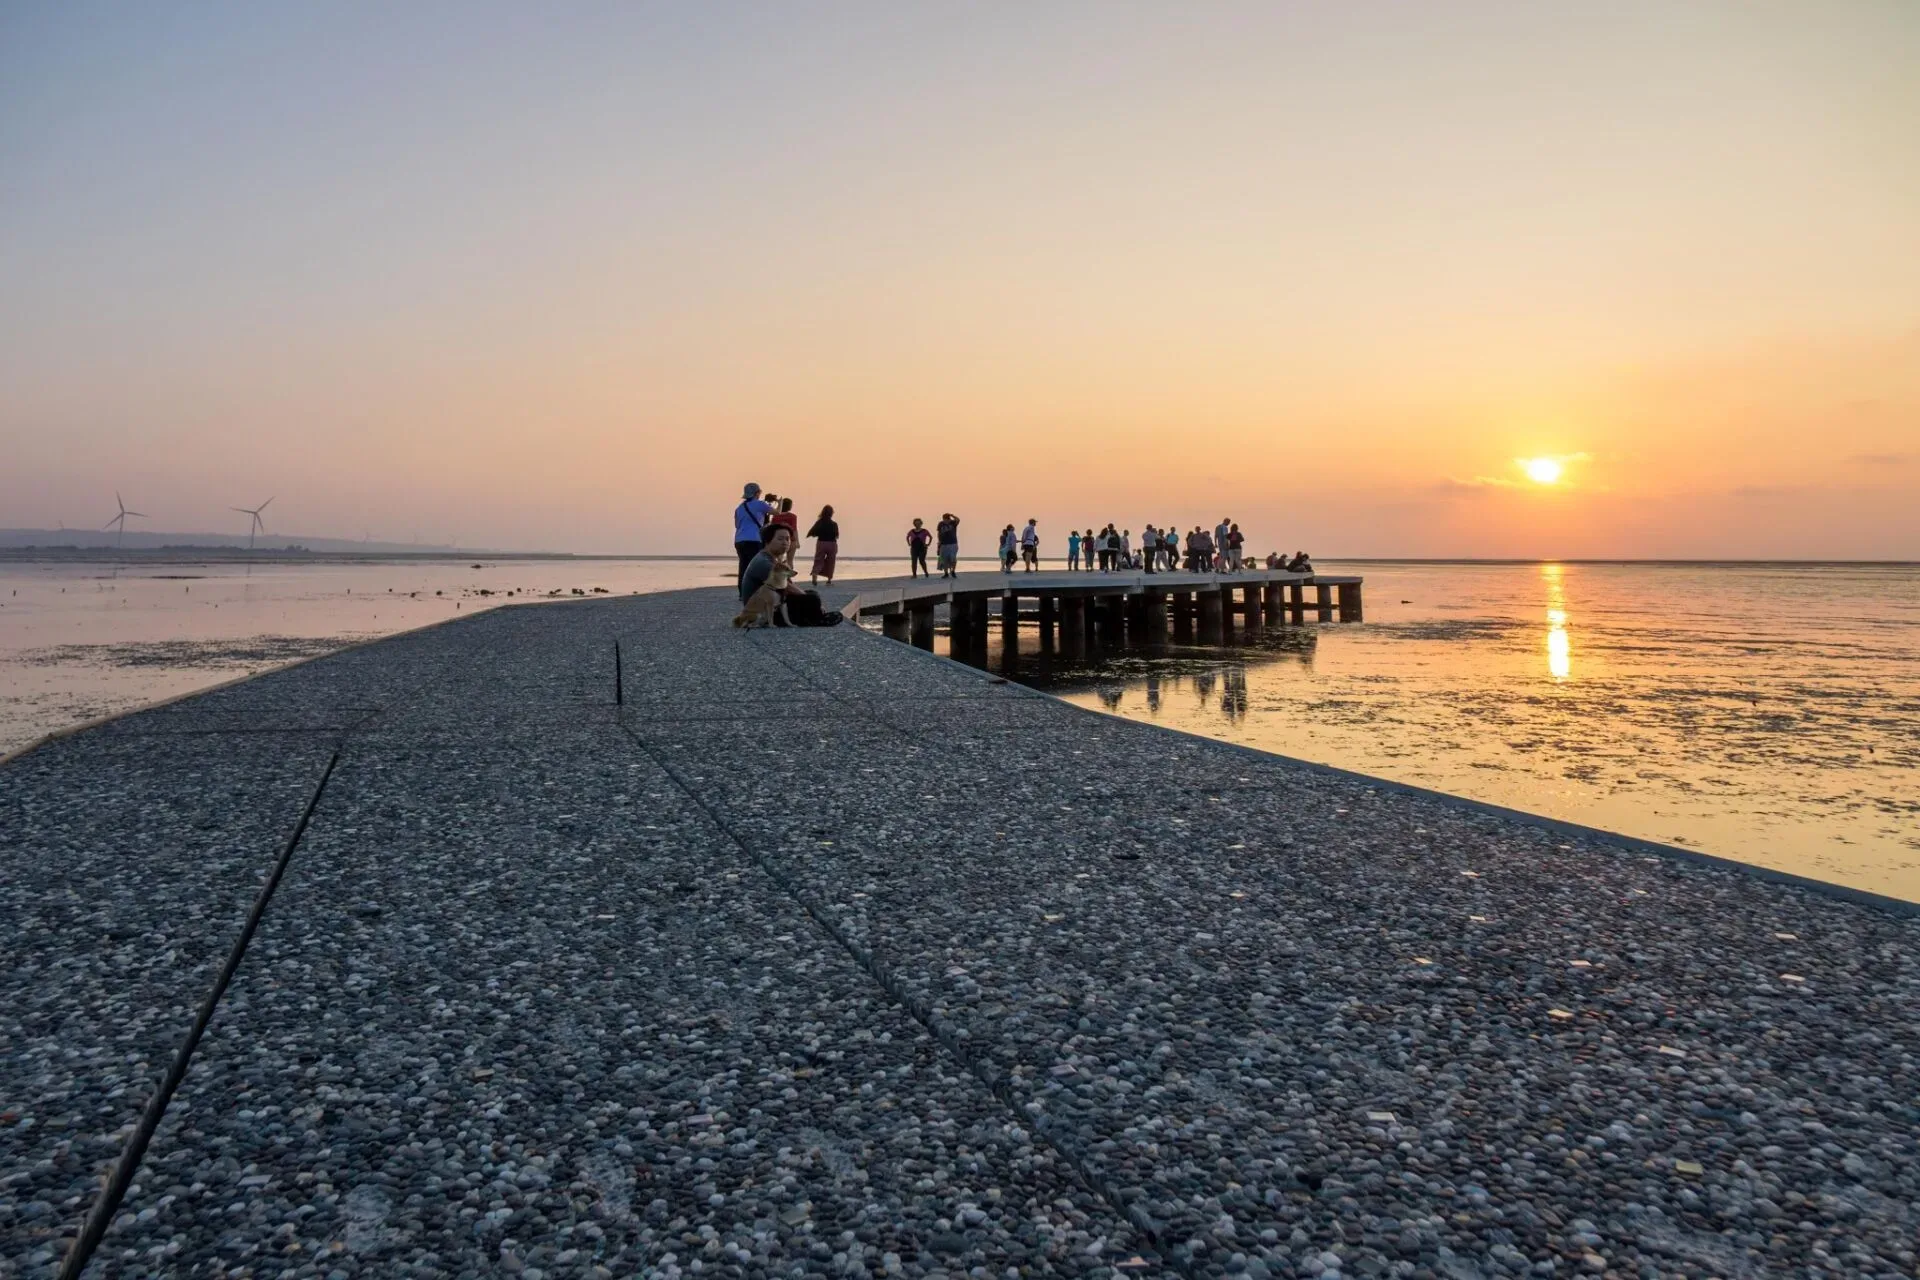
x,y
1767,713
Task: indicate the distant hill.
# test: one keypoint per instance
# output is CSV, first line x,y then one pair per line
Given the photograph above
x,y
154,540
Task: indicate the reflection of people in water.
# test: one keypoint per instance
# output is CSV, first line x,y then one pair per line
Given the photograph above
x,y
1110,695
1233,694
1153,694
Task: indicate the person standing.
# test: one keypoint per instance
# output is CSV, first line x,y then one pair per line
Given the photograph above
x,y
917,540
1087,551
749,519
1030,544
1009,549
1235,542
1073,548
826,546
1126,548
949,531
1149,548
785,518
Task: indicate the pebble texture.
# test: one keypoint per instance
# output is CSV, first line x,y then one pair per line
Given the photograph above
x,y
823,956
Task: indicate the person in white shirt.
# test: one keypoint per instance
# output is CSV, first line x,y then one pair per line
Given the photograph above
x,y
1030,545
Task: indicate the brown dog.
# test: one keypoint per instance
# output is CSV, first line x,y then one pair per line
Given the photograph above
x,y
759,609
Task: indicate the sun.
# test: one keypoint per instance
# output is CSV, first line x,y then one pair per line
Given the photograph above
x,y
1542,470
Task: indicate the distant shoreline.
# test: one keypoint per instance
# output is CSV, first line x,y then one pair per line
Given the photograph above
x,y
236,556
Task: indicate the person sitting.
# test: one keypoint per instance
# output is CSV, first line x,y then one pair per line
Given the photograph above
x,y
768,595
762,593
1299,563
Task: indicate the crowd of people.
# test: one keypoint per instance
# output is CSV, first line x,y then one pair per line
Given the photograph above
x,y
766,536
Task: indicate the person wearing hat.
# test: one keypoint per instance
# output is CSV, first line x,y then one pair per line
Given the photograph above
x,y
749,518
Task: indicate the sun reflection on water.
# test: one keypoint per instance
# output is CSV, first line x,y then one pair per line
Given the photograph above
x,y
1559,647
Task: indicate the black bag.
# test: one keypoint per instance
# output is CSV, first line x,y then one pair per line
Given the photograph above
x,y
805,610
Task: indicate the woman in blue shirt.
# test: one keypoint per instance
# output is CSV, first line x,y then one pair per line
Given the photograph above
x,y
749,518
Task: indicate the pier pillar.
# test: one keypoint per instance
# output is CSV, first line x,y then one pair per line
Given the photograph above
x,y
1323,600
1297,602
1090,622
1073,625
1137,618
1252,608
1113,621
1213,615
1048,610
1350,602
1009,620
920,628
1274,594
1156,617
977,615
894,625
1183,615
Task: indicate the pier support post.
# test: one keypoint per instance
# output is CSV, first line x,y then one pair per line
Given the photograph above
x,y
1073,625
977,614
1137,617
1297,602
1323,600
1009,621
1113,621
1156,617
1350,602
1213,615
1048,611
1274,594
1183,615
1090,627
893,625
959,628
920,629
1252,610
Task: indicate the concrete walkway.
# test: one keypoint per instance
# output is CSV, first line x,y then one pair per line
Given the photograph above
x,y
822,955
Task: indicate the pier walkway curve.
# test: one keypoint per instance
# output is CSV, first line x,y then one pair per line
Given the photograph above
x,y
815,954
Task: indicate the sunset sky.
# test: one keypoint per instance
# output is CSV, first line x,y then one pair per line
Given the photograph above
x,y
564,276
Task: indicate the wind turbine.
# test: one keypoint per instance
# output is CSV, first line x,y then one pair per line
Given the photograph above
x,y
120,521
258,525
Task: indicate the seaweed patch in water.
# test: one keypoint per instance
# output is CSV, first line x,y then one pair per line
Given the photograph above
x,y
249,652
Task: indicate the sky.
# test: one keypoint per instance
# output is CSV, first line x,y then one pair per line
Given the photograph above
x,y
563,277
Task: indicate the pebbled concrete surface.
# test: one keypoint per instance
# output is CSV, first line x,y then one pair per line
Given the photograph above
x,y
824,956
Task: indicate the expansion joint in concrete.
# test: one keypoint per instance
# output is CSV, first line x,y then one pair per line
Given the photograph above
x,y
939,1028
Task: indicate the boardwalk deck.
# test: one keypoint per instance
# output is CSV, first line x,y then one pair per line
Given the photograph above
x,y
821,955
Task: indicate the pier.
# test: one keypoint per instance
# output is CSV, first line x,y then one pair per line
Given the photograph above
x,y
620,942
1077,611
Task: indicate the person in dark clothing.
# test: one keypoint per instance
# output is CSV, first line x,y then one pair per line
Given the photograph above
x,y
917,541
749,518
949,543
826,547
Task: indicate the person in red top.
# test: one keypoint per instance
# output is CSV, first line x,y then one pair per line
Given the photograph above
x,y
918,539
791,523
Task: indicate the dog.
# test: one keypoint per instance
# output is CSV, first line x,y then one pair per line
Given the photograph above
x,y
760,607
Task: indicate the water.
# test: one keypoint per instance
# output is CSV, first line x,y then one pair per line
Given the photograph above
x,y
82,641
1769,713
1766,713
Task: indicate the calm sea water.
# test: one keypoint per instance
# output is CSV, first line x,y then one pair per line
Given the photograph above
x,y
1769,713
1766,713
